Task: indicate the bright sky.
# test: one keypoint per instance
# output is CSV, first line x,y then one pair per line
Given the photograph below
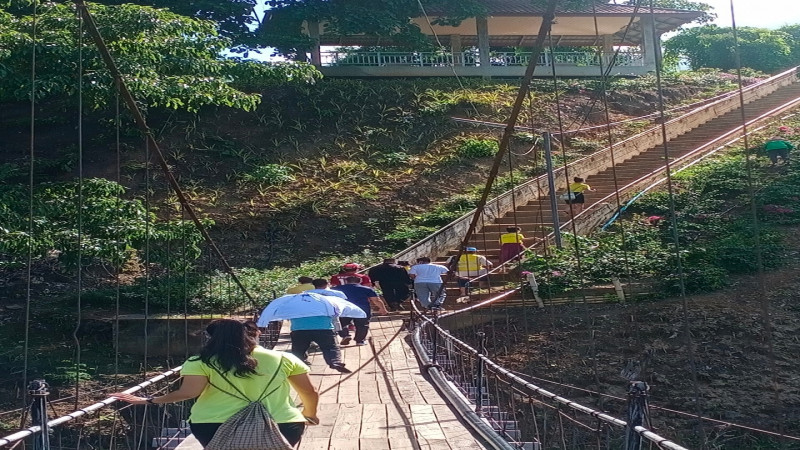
x,y
749,13
756,13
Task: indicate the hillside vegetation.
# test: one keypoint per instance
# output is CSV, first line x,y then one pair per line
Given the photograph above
x,y
325,168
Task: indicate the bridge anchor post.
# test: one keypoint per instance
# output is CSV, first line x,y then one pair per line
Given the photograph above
x,y
39,390
637,414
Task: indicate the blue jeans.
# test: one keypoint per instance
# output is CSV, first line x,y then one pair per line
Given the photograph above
x,y
426,291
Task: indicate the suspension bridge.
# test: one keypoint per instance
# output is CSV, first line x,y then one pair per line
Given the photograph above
x,y
417,385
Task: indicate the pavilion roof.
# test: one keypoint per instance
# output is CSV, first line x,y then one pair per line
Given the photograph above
x,y
528,8
503,10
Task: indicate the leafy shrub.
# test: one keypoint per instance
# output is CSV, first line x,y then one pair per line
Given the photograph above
x,y
697,279
721,178
425,224
478,148
405,236
446,212
268,283
585,145
271,174
734,248
113,230
392,159
67,372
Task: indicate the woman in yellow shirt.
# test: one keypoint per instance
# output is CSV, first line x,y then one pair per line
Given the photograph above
x,y
577,188
232,361
511,244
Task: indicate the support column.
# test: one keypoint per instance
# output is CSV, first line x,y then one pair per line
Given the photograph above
x,y
649,45
608,43
313,33
455,48
608,50
482,25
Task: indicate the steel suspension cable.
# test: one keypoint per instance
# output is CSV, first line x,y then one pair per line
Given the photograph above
x,y
168,274
565,162
674,411
605,74
145,129
547,20
121,253
758,250
452,62
185,273
31,160
79,312
611,142
676,241
147,271
573,222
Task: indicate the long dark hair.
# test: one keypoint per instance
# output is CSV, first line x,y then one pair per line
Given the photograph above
x,y
229,347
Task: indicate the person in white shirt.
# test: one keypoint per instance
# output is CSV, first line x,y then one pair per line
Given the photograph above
x,y
428,282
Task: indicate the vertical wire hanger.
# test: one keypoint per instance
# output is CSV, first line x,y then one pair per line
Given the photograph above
x,y
676,242
31,160
758,248
79,305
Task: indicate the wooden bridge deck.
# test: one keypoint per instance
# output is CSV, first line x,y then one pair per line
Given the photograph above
x,y
385,404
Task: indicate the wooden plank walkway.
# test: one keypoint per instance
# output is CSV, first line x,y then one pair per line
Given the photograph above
x,y
385,404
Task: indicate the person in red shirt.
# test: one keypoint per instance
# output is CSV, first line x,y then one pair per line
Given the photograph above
x,y
349,270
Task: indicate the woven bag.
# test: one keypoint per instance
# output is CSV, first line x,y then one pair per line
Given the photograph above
x,y
252,428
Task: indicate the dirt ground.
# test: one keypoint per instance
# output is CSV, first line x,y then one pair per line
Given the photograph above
x,y
738,377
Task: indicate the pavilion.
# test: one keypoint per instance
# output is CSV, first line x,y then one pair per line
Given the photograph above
x,y
485,46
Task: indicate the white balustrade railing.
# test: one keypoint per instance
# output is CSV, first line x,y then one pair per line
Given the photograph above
x,y
445,59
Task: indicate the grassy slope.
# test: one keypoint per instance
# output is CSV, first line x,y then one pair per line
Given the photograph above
x,y
367,154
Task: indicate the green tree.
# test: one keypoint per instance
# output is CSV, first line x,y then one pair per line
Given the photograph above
x,y
714,47
385,18
168,60
794,32
281,27
688,5
236,19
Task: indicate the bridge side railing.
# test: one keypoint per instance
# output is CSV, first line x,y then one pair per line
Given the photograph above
x,y
450,236
511,412
144,426
467,58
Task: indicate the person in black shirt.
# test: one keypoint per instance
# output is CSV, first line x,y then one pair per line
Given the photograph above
x,y
393,281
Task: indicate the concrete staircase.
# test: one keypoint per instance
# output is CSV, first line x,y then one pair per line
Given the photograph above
x,y
536,220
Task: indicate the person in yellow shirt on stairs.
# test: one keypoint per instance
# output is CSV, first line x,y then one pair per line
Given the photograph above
x,y
471,265
575,192
511,244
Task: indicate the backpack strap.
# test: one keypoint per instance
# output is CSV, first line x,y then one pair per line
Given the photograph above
x,y
242,396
